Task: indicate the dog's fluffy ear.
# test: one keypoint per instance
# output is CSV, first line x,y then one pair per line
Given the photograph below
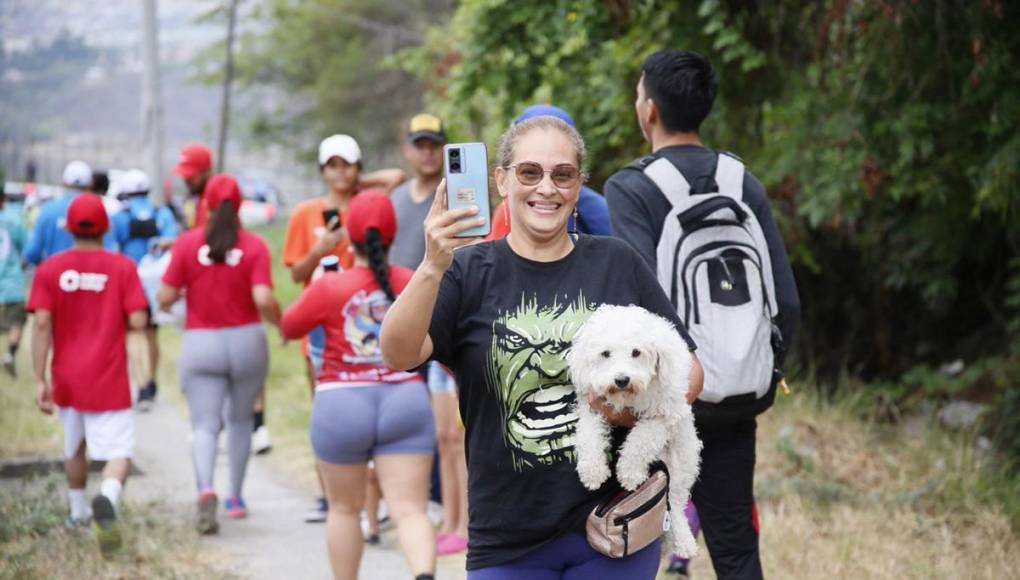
x,y
580,372
673,360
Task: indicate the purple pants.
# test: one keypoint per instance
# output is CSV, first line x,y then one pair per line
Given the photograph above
x,y
571,558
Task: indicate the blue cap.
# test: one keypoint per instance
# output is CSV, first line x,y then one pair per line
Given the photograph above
x,y
540,110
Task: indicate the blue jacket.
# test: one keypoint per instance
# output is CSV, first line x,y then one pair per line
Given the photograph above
x,y
140,208
592,214
49,235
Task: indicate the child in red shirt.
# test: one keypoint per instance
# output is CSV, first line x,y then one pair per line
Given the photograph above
x,y
84,299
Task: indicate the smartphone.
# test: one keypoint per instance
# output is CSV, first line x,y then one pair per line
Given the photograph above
x,y
467,183
329,214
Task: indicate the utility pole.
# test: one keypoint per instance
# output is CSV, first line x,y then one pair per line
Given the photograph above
x,y
152,101
228,79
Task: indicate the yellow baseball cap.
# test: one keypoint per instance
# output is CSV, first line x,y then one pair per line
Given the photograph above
x,y
426,126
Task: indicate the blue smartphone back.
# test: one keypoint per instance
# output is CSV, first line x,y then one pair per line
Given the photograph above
x,y
467,182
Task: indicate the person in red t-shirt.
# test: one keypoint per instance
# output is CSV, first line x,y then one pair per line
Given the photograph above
x,y
223,271
84,299
363,410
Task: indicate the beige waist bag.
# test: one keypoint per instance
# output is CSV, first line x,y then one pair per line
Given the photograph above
x,y
630,521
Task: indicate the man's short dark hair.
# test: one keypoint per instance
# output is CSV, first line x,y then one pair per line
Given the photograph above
x,y
682,85
100,182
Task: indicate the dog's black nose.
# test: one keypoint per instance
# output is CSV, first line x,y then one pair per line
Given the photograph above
x,y
622,382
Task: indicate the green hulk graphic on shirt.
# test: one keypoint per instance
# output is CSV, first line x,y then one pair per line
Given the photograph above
x,y
528,370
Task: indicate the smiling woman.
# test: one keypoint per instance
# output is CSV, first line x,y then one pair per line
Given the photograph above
x,y
503,314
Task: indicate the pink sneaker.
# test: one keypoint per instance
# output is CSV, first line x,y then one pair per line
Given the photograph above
x,y
451,544
235,508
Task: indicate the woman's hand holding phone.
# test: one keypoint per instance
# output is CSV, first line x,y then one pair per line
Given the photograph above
x,y
441,228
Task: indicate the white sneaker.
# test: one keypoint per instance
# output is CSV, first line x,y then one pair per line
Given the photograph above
x,y
260,444
435,512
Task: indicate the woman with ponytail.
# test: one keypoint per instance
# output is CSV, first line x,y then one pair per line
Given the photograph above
x,y
363,410
223,271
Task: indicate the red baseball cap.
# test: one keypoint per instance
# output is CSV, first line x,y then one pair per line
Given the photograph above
x,y
371,209
86,216
194,159
221,188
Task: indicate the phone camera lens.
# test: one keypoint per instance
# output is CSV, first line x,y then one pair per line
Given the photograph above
x,y
455,167
454,153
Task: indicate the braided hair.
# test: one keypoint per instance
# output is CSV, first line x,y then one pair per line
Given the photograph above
x,y
375,250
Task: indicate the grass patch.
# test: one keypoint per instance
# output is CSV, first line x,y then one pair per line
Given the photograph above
x,y
35,544
840,496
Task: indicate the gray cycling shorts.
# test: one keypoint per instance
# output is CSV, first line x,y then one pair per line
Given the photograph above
x,y
352,425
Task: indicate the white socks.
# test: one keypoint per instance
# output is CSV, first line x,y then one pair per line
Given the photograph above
x,y
79,505
111,488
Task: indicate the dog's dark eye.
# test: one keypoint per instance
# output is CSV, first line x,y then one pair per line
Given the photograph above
x,y
605,354
635,353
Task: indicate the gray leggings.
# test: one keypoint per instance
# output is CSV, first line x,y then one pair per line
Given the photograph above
x,y
217,365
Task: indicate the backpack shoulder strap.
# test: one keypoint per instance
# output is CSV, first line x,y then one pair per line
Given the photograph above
x,y
641,162
729,175
669,180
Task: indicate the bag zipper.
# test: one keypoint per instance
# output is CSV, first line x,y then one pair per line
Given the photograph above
x,y
703,249
710,206
641,509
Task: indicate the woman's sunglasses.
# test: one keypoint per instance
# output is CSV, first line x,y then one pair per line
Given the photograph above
x,y
529,173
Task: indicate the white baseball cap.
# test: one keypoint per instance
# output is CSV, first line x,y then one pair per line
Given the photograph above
x,y
78,174
133,181
342,146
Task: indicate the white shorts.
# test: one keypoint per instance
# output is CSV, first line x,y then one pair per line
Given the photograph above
x,y
107,434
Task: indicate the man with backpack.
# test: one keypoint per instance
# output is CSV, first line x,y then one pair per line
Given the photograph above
x,y
704,225
140,228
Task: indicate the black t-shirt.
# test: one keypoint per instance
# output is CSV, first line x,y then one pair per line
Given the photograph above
x,y
504,324
638,210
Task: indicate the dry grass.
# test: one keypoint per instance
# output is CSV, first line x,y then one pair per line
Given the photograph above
x,y
34,543
23,429
843,498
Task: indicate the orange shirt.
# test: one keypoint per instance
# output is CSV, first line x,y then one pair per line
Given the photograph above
x,y
500,222
305,227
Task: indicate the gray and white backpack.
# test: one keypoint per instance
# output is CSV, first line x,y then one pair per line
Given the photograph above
x,y
713,261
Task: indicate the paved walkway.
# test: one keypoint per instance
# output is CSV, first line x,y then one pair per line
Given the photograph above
x,y
273,542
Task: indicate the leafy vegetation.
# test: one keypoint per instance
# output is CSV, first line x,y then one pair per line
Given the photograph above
x,y
885,132
324,59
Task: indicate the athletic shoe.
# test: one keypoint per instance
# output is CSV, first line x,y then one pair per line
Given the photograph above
x,y
435,512
678,567
260,444
9,365
372,539
235,508
207,513
104,522
76,524
317,514
451,544
147,397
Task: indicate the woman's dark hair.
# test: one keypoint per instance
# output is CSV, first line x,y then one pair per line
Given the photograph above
x,y
375,250
222,231
682,84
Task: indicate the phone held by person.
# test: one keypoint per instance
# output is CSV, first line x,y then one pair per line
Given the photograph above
x,y
328,215
467,183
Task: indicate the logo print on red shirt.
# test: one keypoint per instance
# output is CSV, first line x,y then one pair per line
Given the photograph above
x,y
233,256
73,281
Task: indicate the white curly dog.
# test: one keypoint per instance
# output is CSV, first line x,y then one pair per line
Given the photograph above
x,y
635,359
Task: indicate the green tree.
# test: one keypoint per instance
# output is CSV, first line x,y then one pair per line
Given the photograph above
x,y
884,131
324,60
